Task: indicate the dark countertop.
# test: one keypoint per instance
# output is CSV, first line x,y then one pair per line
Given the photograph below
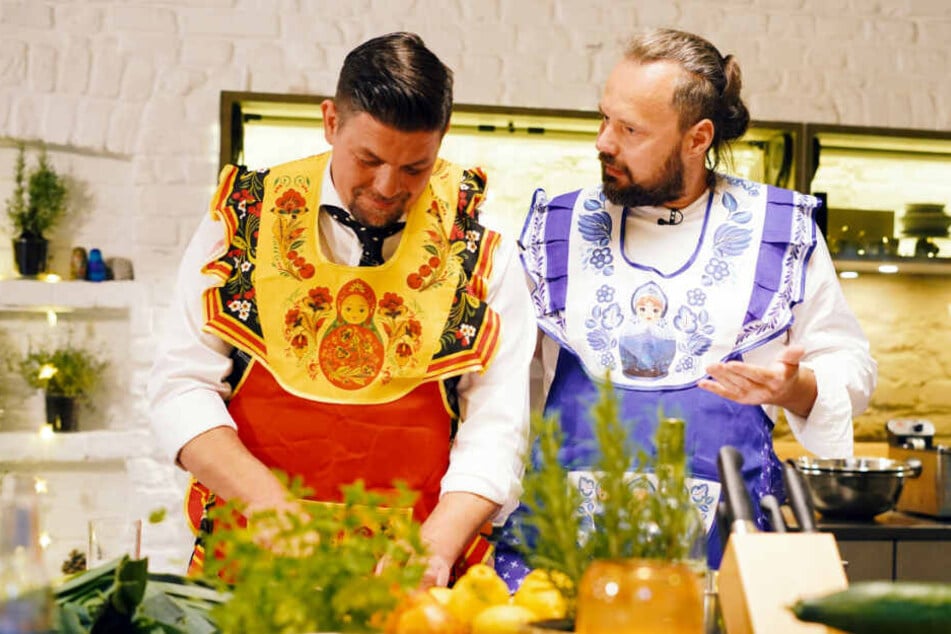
x,y
891,525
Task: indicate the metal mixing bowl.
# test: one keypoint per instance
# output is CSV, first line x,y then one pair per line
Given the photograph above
x,y
855,488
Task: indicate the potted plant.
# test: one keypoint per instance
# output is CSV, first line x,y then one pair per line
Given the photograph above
x,y
67,375
36,205
633,535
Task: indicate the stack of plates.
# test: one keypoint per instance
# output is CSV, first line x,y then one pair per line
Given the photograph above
x,y
925,220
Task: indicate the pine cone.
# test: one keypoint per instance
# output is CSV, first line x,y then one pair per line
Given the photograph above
x,y
75,562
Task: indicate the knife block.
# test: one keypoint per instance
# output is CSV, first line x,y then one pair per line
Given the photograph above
x,y
763,574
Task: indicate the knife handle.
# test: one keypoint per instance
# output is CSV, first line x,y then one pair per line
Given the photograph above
x,y
770,506
724,522
730,465
800,500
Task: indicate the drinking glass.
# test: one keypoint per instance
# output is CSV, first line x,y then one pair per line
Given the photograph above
x,y
111,538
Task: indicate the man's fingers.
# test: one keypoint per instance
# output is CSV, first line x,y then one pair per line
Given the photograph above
x,y
792,355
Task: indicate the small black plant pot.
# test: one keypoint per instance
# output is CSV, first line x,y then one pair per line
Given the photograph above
x,y
62,412
29,251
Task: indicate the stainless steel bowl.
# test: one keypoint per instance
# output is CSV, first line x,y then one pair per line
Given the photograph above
x,y
855,488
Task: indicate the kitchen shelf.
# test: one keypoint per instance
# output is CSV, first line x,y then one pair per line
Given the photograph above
x,y
68,296
906,266
22,447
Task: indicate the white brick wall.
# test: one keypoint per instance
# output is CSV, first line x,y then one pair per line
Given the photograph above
x,y
127,95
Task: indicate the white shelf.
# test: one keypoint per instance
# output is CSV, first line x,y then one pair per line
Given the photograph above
x,y
75,447
72,295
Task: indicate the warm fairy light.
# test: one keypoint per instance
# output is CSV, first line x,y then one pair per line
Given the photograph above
x,y
46,431
47,370
848,275
52,278
39,485
51,318
45,540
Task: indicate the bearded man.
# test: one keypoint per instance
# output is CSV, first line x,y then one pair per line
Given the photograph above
x,y
705,296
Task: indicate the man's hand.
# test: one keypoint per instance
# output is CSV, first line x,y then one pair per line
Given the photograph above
x,y
783,383
437,572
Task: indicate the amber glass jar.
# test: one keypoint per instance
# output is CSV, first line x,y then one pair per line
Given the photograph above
x,y
634,596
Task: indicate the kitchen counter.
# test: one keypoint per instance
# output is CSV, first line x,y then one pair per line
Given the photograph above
x,y
891,525
893,546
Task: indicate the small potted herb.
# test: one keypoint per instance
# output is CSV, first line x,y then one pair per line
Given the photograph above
x,y
67,375
643,529
38,202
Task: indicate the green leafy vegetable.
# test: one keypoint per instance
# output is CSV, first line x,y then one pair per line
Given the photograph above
x,y
319,572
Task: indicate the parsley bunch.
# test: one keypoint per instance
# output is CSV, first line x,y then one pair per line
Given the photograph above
x,y
320,571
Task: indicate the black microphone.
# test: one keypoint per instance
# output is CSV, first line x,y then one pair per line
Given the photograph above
x,y
675,218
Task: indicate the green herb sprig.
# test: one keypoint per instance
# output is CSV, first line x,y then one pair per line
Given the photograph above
x,y
635,520
321,571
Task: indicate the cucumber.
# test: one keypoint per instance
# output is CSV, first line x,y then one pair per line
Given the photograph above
x,y
882,607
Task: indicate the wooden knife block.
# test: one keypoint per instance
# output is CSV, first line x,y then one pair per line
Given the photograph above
x,y
763,574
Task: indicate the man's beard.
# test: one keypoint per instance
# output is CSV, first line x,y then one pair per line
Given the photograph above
x,y
669,185
370,217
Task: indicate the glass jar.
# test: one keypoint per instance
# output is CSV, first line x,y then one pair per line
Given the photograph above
x,y
634,596
26,601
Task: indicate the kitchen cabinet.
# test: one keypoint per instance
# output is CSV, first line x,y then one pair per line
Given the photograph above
x,y
895,546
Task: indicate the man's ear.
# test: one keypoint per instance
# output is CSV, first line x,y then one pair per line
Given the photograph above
x,y
698,138
331,120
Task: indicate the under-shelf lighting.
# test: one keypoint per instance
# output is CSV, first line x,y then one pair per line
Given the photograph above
x,y
888,268
51,318
45,540
46,432
40,486
52,278
849,275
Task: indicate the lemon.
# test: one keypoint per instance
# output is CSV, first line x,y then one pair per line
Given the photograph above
x,y
441,594
479,588
502,619
540,594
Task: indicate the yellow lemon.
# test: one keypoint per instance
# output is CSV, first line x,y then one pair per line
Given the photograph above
x,y
479,588
539,593
502,619
441,594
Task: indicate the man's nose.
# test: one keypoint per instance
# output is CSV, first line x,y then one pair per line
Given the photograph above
x,y
387,181
606,142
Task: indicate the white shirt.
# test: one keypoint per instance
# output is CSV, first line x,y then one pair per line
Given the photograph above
x,y
836,349
186,388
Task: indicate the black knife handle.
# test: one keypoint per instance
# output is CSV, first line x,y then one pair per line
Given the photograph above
x,y
730,465
800,500
770,506
724,522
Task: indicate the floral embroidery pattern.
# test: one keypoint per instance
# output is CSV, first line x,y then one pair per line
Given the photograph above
x,y
596,228
403,331
304,319
703,494
730,240
603,319
292,216
237,293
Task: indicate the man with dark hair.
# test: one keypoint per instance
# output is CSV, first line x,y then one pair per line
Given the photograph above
x,y
704,296
345,317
